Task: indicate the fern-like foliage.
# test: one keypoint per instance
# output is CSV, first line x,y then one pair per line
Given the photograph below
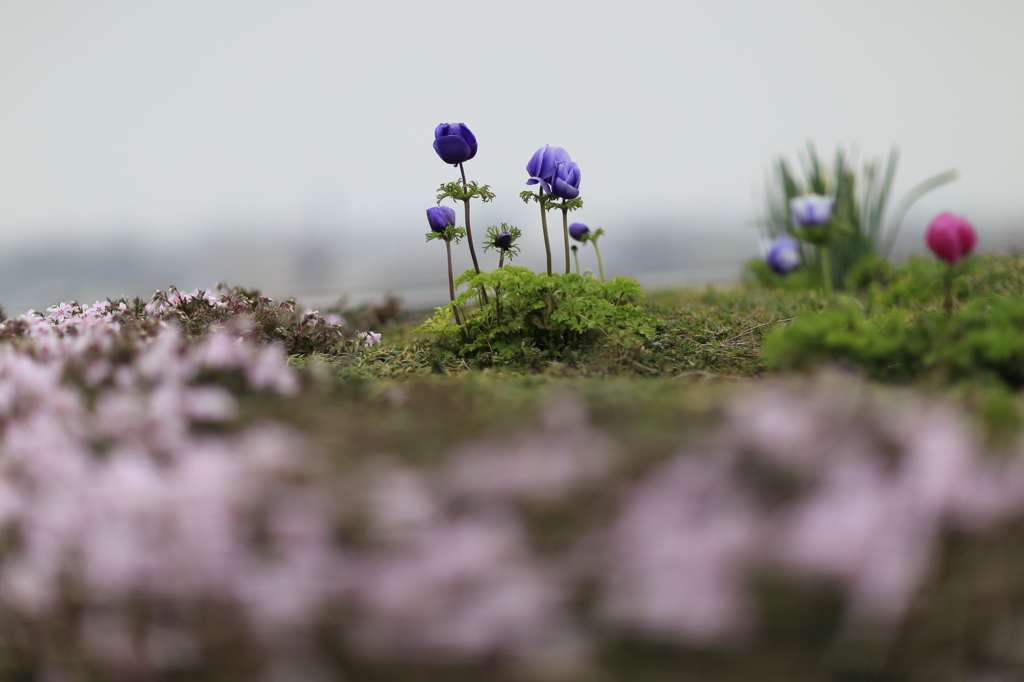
x,y
527,313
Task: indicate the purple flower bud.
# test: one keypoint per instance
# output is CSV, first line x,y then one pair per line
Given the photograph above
x,y
810,210
783,255
454,143
579,232
503,241
543,164
440,218
566,182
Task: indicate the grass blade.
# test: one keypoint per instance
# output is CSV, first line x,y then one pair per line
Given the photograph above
x,y
912,196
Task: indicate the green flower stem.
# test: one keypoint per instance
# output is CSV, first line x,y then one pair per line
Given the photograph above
x,y
947,283
826,269
451,280
565,231
576,257
497,301
469,232
544,225
600,267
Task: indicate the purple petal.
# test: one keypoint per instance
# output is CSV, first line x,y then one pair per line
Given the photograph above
x,y
453,149
561,188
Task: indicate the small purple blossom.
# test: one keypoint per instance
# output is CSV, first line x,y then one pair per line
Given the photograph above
x,y
783,255
811,210
579,232
440,218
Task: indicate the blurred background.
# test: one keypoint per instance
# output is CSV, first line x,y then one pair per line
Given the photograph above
x,y
287,146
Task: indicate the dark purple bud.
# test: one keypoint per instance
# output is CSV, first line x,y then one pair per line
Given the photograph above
x,y
566,183
542,166
440,218
503,241
454,143
783,255
579,232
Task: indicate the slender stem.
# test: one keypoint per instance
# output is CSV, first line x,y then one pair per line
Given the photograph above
x,y
576,257
600,268
565,231
544,224
501,259
826,269
451,280
469,232
497,301
948,286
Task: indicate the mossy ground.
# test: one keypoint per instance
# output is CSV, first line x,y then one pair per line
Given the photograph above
x,y
412,396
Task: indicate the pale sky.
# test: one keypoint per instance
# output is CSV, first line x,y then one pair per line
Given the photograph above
x,y
170,119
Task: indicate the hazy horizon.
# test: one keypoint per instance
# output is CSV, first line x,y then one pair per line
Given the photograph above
x,y
161,119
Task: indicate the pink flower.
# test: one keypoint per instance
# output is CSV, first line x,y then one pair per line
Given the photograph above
x,y
368,339
951,237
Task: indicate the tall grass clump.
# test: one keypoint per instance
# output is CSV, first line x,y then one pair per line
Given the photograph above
x,y
861,206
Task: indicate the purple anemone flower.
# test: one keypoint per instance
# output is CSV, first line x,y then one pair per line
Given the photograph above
x,y
579,232
503,241
566,181
783,255
454,143
543,165
440,218
810,210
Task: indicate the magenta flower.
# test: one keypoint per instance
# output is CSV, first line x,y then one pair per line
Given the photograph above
x,y
951,237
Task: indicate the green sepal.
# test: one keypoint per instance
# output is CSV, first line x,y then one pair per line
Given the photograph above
x,y
455,190
549,201
571,204
451,234
492,233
